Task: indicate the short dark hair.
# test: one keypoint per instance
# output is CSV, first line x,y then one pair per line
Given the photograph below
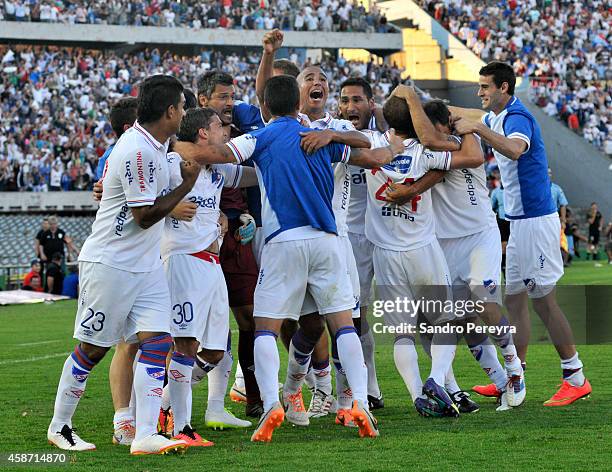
x,y
501,73
210,80
282,95
190,99
123,113
287,67
156,94
193,121
397,116
358,82
437,112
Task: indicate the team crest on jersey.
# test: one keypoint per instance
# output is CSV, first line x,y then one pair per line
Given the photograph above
x,y
79,375
216,178
490,285
530,284
155,372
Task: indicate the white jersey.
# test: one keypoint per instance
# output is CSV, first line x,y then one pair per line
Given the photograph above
x,y
136,173
342,173
402,227
461,203
188,237
359,188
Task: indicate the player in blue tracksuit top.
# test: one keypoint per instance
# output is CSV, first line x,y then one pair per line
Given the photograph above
x,y
533,259
301,252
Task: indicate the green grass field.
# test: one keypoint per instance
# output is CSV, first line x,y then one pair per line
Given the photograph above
x,y
37,338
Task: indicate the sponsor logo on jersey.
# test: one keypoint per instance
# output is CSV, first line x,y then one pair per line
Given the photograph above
x,y
140,172
155,372
396,212
210,202
128,171
359,177
155,392
469,182
79,375
120,220
151,167
261,276
530,284
542,260
490,285
401,164
346,189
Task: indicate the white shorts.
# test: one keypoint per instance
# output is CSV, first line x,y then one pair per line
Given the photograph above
x,y
346,250
258,244
474,262
200,307
290,269
419,274
533,256
115,304
363,250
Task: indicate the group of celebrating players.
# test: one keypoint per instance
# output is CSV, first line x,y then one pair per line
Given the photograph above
x,y
331,204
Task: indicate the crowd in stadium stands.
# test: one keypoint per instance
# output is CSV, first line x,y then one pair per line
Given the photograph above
x,y
563,46
54,104
298,15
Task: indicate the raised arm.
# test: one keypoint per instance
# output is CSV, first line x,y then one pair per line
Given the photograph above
x,y
469,156
314,140
403,193
428,135
210,154
473,114
146,216
272,41
510,147
372,158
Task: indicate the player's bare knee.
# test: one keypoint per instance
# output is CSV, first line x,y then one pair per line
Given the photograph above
x,y
312,325
187,346
244,317
94,353
211,356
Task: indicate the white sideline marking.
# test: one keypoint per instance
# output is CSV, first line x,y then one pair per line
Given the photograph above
x,y
38,343
34,359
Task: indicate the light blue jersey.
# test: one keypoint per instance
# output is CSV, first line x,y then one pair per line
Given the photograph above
x,y
558,196
526,184
296,188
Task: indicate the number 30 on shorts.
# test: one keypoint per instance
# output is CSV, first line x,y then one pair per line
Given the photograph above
x,y
184,313
94,320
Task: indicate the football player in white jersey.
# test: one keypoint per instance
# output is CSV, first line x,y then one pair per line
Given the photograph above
x,y
357,106
200,307
122,256
533,260
408,260
468,234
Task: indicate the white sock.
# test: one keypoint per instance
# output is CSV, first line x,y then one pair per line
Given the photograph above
x,y
486,355
218,379
351,357
133,394
343,390
267,364
123,414
297,367
239,377
71,387
179,389
310,380
148,383
165,401
442,355
367,345
505,342
322,374
450,382
572,371
407,364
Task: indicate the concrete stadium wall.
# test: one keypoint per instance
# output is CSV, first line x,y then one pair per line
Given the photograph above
x,y
114,34
46,201
584,172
